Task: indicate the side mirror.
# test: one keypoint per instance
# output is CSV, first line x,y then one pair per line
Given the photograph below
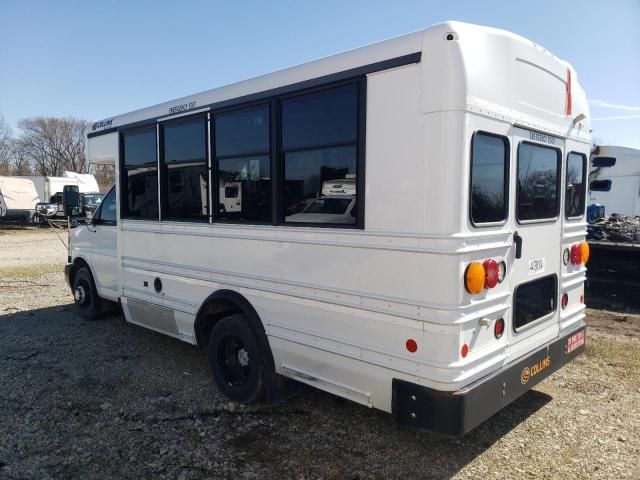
x,y
71,200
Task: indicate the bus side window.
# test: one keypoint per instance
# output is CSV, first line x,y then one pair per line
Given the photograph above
x,y
139,174
576,179
242,153
184,175
489,178
319,143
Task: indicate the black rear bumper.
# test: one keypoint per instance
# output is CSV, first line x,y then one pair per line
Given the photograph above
x,y
456,413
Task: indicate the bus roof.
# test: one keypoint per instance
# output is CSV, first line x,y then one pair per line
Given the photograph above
x,y
465,67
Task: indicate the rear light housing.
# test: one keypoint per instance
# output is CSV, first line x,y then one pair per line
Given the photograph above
x,y
491,273
474,277
478,276
579,254
584,251
498,328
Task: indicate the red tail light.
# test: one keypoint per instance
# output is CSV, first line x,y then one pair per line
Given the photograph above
x,y
565,300
491,272
498,328
576,254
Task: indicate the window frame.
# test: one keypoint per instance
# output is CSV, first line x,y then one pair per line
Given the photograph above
x,y
584,183
359,143
558,183
507,183
150,125
215,179
276,155
163,177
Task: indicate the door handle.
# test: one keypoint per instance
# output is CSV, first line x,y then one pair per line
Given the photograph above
x,y
517,240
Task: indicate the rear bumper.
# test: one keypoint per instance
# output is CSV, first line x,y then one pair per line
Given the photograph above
x,y
456,413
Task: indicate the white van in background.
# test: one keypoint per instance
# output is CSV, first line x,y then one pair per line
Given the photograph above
x,y
18,198
614,179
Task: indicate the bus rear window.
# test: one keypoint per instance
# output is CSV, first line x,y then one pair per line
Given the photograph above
x,y
538,175
489,167
574,198
534,300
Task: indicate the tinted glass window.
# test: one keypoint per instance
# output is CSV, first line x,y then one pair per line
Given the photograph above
x,y
538,169
488,179
139,186
319,132
575,195
184,170
242,132
604,162
108,208
534,300
600,185
323,118
243,165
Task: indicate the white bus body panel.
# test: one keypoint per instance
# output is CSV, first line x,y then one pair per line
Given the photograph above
x,y
339,304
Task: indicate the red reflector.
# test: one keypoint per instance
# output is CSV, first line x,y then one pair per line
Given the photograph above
x,y
576,254
465,350
565,300
412,345
581,298
491,273
498,328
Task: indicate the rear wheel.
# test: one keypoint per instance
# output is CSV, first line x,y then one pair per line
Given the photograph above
x,y
235,360
85,294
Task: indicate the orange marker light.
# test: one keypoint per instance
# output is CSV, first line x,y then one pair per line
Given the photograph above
x,y
474,277
584,252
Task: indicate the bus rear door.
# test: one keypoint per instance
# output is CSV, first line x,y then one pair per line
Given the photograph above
x,y
536,254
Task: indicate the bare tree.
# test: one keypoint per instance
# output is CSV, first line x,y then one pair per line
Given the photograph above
x,y
105,176
6,147
53,145
20,164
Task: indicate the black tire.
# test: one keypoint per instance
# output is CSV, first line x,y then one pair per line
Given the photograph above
x,y
235,360
85,294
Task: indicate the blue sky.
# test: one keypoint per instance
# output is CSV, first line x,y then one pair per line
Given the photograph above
x,y
94,59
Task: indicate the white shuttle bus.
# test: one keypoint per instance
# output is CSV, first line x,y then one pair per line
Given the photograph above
x,y
409,232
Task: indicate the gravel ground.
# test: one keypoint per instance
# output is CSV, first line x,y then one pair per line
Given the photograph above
x,y
107,399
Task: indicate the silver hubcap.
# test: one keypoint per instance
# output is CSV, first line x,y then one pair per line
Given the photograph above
x,y
80,294
243,357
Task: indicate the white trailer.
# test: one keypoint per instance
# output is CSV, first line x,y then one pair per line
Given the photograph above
x,y
455,286
614,180
18,198
48,186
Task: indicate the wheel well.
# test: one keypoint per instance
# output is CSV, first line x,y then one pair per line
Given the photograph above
x,y
223,303
78,263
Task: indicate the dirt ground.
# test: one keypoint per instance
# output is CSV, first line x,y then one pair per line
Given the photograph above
x,y
107,399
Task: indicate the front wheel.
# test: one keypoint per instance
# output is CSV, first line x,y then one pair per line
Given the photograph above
x,y
85,294
235,360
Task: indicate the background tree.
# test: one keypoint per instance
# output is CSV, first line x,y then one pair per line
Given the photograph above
x,y
52,145
6,147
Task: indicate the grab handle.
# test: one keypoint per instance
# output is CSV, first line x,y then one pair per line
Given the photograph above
x,y
517,240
